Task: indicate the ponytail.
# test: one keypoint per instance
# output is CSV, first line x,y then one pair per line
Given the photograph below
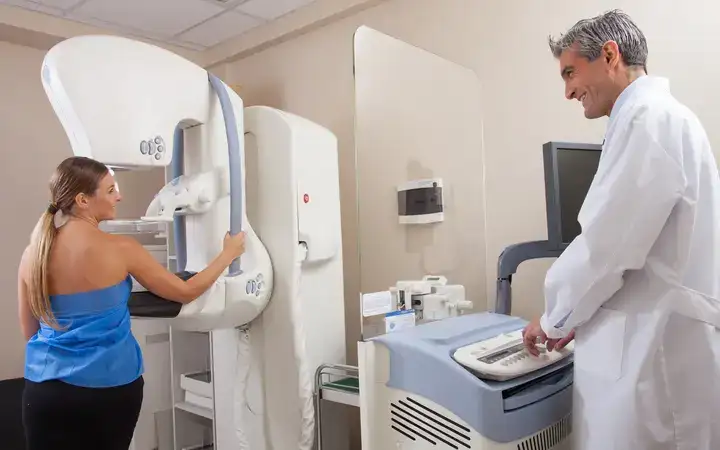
x,y
42,239
75,175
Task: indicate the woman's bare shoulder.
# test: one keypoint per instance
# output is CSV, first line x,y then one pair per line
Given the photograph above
x,y
123,247
26,258
28,252
121,242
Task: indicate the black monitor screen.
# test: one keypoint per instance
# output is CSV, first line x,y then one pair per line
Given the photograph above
x,y
569,170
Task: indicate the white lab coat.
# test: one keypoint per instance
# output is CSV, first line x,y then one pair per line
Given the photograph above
x,y
641,284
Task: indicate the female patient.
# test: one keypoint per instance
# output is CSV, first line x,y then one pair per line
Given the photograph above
x,y
83,369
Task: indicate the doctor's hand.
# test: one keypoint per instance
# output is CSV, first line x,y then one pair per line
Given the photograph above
x,y
532,335
559,344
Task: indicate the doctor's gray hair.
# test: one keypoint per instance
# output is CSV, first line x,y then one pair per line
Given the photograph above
x,y
591,34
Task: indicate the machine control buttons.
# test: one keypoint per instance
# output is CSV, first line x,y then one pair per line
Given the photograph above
x,y
502,354
250,287
153,147
515,358
520,356
255,285
504,357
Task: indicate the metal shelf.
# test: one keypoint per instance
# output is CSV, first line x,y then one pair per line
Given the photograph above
x,y
195,409
345,390
335,383
133,227
346,398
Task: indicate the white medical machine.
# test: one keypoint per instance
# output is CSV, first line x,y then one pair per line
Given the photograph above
x,y
131,106
431,298
463,383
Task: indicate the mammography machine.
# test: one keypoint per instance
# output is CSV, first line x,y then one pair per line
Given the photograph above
x,y
132,105
468,382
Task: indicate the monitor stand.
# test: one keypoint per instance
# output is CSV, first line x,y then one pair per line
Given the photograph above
x,y
508,262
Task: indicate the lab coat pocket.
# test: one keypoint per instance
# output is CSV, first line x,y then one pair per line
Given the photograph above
x,y
599,345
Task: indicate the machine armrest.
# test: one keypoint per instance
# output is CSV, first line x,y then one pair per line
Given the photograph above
x,y
147,304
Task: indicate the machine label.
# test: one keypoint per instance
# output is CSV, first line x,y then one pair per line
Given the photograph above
x,y
376,303
399,320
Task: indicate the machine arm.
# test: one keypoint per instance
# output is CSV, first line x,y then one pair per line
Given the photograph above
x,y
508,262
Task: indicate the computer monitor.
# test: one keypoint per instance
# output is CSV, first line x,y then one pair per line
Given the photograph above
x,y
569,172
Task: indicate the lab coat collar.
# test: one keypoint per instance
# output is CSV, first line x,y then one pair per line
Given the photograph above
x,y
642,83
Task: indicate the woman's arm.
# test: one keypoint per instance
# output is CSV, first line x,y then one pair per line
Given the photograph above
x,y
28,323
161,282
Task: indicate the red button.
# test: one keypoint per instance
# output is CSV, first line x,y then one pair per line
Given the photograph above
x,y
306,198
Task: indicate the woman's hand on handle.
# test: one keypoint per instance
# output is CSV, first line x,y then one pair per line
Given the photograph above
x,y
234,245
158,280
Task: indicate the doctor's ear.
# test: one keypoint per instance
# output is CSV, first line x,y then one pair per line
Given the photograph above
x,y
611,53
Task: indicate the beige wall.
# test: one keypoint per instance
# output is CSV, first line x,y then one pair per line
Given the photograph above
x,y
418,116
32,144
505,43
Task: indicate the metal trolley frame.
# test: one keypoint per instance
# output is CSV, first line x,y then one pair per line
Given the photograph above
x,y
336,383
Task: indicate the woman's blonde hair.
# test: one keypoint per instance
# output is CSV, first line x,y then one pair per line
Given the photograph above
x,y
74,176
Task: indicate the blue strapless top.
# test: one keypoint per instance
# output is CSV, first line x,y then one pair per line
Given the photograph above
x,y
94,347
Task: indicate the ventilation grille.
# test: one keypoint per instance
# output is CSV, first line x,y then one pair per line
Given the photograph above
x,y
547,439
418,422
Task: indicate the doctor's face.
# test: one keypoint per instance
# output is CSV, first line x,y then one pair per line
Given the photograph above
x,y
589,82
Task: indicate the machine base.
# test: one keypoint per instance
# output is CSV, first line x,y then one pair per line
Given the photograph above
x,y
419,424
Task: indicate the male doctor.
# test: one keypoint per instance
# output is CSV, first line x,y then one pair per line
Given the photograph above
x,y
640,285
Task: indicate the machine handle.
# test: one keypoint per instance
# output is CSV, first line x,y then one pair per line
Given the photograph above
x,y
177,169
235,163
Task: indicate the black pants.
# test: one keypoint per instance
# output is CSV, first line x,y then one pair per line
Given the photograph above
x,y
57,415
